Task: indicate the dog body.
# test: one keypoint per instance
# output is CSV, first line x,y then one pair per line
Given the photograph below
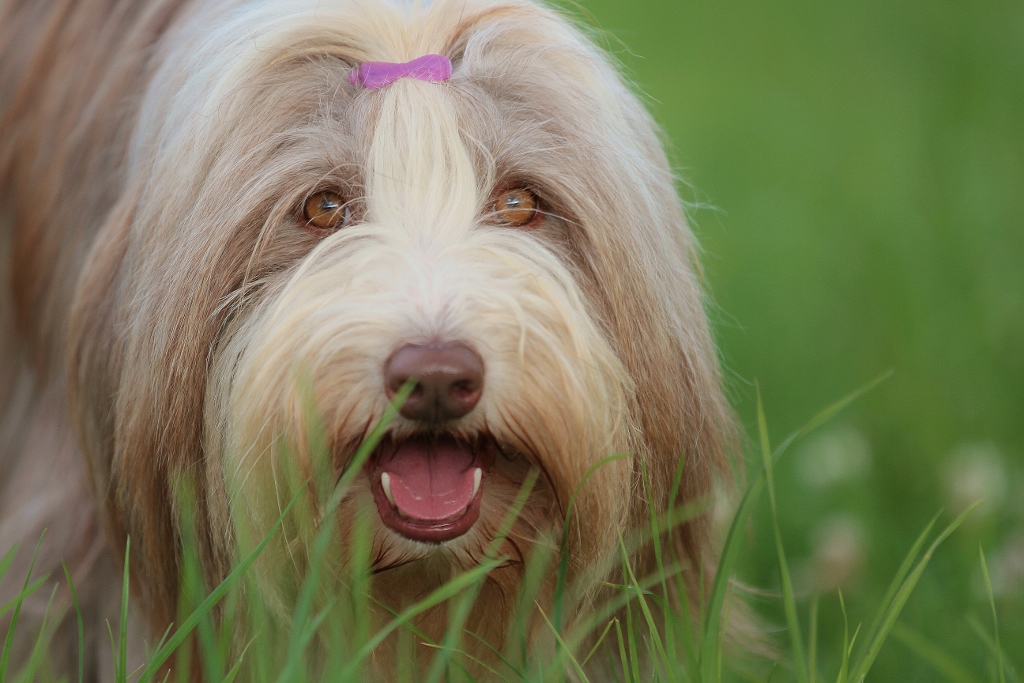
x,y
210,230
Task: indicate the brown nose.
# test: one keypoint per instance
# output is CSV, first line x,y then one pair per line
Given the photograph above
x,y
449,380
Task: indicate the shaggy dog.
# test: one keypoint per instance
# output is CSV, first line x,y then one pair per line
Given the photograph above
x,y
214,223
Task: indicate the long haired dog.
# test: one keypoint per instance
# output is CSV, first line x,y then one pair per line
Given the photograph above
x,y
220,217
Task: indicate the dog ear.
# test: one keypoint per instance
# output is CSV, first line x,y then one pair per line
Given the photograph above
x,y
95,377
94,353
94,358
691,440
637,256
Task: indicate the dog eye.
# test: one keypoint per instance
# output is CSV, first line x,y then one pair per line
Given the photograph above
x,y
326,210
516,207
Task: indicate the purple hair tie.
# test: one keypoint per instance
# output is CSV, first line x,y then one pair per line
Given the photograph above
x,y
432,68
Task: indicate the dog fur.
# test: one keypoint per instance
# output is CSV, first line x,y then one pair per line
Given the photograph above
x,y
165,314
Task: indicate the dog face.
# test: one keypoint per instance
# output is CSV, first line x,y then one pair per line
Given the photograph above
x,y
292,248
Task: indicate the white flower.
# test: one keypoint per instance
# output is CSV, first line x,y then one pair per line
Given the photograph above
x,y
1005,570
838,455
975,472
838,553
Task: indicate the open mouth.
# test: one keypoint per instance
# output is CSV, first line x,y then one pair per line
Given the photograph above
x,y
428,487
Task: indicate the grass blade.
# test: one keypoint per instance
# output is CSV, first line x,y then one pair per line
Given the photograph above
x,y
25,592
891,612
157,660
597,644
81,625
665,639
5,563
711,639
789,601
5,656
990,643
461,610
653,634
479,662
995,619
622,650
631,648
29,672
121,674
812,666
564,648
900,577
844,666
233,673
444,592
558,613
498,654
684,618
934,656
830,412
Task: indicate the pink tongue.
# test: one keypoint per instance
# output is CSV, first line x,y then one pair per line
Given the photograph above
x,y
431,481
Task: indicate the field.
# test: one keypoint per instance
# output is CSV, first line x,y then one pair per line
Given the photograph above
x,y
856,174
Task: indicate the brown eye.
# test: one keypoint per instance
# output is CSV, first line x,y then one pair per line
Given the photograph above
x,y
516,207
326,210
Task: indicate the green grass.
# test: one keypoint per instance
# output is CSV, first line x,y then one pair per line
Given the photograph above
x,y
331,635
855,175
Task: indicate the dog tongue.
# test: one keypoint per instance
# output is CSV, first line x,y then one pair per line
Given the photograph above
x,y
431,481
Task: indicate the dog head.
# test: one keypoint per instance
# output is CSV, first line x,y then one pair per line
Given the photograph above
x,y
292,247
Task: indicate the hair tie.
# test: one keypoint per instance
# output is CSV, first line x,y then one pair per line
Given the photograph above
x,y
373,75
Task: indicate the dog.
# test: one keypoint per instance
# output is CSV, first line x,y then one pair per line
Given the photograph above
x,y
220,217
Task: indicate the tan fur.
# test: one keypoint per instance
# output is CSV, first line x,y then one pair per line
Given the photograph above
x,y
167,311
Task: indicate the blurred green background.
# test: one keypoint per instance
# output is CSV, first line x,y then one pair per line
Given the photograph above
x,y
856,175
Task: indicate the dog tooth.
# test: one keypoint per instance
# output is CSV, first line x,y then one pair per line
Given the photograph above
x,y
477,476
385,483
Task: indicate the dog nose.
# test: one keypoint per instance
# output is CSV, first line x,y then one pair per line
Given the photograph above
x,y
449,380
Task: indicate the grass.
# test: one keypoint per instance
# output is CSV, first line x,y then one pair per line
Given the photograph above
x,y
331,635
854,173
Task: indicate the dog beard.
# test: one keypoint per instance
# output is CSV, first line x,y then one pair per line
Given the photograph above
x,y
215,336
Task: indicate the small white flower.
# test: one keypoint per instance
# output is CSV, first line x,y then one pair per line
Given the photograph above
x,y
975,472
1005,570
838,553
838,455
